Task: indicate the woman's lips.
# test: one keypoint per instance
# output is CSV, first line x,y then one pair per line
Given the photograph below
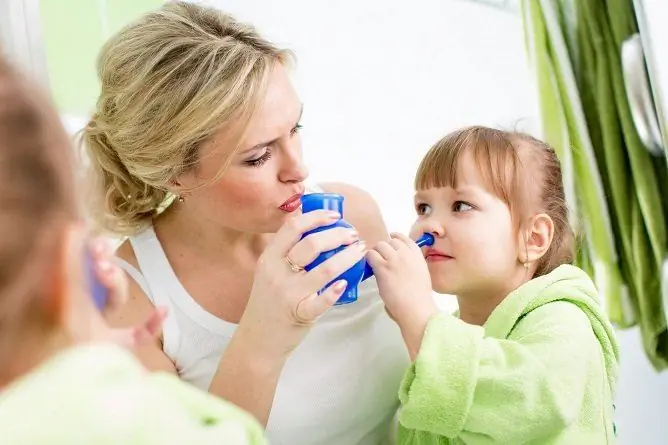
x,y
292,204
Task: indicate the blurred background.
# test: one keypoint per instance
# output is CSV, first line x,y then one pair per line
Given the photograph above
x,y
382,80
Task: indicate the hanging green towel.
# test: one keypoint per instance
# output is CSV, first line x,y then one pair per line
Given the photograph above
x,y
565,128
101,395
575,49
542,370
626,165
602,80
620,18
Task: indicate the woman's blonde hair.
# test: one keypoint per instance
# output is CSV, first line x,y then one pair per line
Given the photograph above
x,y
169,81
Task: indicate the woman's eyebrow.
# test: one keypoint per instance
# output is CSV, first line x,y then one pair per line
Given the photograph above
x,y
266,144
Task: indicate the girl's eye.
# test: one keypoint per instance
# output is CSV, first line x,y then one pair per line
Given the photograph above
x,y
422,209
461,206
257,162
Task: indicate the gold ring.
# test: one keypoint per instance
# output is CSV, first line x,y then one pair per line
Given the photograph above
x,y
293,266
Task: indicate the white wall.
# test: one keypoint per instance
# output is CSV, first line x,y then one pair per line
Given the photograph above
x,y
382,80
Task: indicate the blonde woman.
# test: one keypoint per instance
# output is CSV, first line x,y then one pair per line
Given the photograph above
x,y
196,149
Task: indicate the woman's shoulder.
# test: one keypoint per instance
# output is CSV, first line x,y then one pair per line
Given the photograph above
x,y
126,252
361,210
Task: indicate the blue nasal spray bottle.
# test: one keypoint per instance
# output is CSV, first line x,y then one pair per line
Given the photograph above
x,y
361,270
98,291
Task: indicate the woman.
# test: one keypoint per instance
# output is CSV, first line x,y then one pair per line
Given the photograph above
x,y
198,108
62,379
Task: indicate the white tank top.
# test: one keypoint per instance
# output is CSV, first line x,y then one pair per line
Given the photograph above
x,y
340,385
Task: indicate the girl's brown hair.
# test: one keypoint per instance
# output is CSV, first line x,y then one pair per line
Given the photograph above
x,y
36,199
519,169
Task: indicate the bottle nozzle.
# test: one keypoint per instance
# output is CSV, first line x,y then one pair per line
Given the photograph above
x,y
427,239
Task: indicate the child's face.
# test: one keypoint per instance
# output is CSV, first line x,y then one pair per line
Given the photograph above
x,y
475,251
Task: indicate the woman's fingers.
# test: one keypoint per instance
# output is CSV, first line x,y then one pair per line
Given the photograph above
x,y
308,249
288,235
334,266
310,308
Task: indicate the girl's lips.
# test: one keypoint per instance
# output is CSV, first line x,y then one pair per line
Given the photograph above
x,y
436,255
437,258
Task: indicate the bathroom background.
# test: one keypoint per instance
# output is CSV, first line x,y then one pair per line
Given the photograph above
x,y
383,79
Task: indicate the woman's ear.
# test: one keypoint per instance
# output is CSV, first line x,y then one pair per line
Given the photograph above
x,y
537,238
177,185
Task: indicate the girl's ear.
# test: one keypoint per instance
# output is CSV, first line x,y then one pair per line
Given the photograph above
x,y
68,279
537,239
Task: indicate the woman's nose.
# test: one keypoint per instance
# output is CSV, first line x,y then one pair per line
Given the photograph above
x,y
293,168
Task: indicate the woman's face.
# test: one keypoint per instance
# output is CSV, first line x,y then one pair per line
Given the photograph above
x,y
261,187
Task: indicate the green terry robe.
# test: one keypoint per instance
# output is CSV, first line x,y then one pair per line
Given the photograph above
x,y
542,370
101,395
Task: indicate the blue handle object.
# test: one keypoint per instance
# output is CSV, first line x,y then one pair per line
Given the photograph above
x,y
427,239
98,291
353,276
361,270
322,201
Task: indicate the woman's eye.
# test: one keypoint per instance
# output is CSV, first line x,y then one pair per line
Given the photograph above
x,y
295,130
461,206
257,162
422,209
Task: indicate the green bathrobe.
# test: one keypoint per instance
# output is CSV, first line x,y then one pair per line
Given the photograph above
x,y
541,370
100,395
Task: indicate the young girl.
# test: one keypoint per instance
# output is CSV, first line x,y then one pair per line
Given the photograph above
x,y
530,358
63,379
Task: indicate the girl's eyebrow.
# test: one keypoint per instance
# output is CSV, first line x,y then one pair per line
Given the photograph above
x,y
467,190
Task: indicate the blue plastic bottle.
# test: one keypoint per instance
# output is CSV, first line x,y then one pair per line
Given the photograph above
x,y
99,293
361,270
353,276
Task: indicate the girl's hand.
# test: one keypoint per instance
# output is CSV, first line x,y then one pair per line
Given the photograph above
x,y
284,300
405,286
114,279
